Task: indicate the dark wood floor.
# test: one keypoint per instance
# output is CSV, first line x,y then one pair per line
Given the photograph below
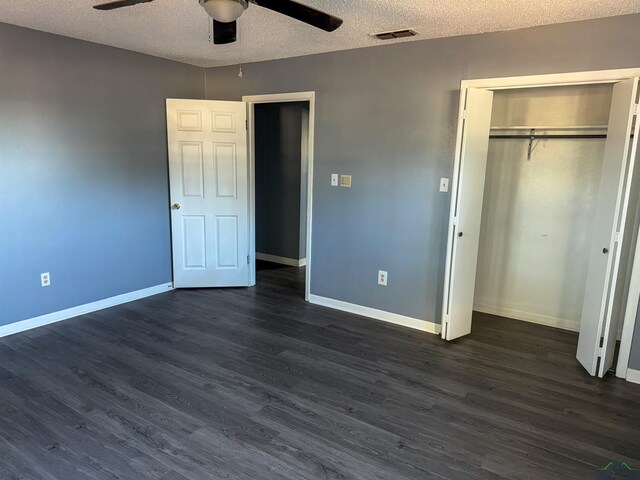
x,y
257,384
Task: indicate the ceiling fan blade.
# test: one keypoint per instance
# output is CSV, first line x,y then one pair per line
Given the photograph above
x,y
224,32
305,14
119,4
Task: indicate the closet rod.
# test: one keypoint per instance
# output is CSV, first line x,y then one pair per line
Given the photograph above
x,y
546,137
551,127
536,136
532,136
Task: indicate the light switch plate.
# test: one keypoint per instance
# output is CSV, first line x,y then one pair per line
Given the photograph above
x,y
345,180
444,184
334,179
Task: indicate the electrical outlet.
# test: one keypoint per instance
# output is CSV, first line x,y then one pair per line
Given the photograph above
x,y
45,279
382,277
345,181
444,184
334,179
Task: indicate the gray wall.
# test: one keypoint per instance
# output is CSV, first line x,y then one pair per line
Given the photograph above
x,y
278,157
83,170
387,116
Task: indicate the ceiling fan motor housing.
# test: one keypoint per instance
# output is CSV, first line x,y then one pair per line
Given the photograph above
x,y
225,11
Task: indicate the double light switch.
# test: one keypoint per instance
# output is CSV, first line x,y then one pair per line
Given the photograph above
x,y
342,180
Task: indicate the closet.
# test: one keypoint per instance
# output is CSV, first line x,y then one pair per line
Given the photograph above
x,y
281,164
544,164
544,211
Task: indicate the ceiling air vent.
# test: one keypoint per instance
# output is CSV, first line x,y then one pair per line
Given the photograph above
x,y
395,34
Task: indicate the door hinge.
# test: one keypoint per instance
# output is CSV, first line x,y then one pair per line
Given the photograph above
x,y
617,237
636,109
465,114
248,259
246,124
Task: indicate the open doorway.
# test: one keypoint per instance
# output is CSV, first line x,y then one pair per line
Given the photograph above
x,y
212,173
281,161
544,164
281,156
549,236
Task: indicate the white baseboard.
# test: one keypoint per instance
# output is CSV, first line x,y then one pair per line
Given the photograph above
x,y
395,318
58,316
292,262
633,375
549,321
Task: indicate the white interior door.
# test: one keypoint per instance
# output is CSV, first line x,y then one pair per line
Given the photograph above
x,y
598,327
209,186
466,214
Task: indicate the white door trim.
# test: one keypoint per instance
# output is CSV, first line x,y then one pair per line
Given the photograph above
x,y
251,100
631,311
555,79
558,79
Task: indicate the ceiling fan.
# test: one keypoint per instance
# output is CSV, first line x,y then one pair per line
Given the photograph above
x,y
226,12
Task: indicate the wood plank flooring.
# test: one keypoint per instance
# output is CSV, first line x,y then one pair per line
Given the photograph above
x,y
257,384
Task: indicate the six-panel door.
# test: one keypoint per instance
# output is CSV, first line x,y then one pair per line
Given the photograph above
x,y
208,170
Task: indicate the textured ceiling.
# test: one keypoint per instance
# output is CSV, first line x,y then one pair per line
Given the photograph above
x,y
178,29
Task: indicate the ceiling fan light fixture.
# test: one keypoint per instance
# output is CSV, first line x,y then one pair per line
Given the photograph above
x,y
225,11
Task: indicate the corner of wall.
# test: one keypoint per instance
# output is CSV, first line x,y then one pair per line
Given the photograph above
x,y
205,83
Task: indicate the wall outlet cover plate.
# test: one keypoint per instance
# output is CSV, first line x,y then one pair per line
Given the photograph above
x,y
345,181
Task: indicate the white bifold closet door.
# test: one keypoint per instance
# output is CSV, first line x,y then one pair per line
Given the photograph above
x,y
605,283
209,187
466,214
599,326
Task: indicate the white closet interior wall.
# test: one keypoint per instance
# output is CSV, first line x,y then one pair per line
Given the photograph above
x,y
537,212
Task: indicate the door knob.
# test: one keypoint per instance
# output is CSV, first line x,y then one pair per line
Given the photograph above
x,y
605,250
460,234
175,206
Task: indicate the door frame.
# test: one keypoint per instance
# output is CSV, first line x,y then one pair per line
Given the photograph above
x,y
251,101
532,81
630,312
